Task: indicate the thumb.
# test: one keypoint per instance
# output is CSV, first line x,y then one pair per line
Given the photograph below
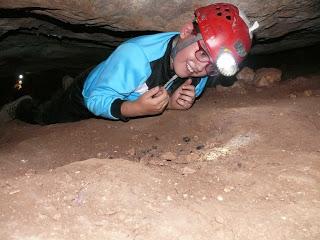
x,y
188,82
152,91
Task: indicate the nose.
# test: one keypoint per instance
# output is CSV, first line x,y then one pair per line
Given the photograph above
x,y
201,66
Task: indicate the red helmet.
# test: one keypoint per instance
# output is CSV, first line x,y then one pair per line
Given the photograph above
x,y
226,35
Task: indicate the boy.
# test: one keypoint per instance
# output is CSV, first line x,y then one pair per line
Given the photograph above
x,y
149,74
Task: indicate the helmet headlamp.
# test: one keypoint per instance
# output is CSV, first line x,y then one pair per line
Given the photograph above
x,y
226,64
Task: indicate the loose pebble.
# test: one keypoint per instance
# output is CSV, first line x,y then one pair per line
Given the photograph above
x,y
187,170
307,93
14,192
220,198
228,189
186,139
292,96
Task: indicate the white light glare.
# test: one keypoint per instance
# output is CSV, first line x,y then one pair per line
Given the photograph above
x,y
20,76
227,64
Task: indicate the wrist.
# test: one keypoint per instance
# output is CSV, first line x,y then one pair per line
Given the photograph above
x,y
131,109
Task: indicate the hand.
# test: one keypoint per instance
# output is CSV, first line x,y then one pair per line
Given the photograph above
x,y
151,102
183,98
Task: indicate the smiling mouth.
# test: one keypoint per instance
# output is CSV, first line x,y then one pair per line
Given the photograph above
x,y
190,68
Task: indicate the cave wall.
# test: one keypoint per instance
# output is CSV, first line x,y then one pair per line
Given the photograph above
x,y
283,24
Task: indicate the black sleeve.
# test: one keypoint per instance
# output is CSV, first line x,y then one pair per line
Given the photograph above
x,y
116,110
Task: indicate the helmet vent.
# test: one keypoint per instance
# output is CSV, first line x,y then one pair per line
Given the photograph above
x,y
228,17
227,10
219,14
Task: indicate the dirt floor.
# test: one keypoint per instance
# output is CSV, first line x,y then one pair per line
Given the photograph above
x,y
243,163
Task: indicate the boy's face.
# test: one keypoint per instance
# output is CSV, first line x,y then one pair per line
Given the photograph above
x,y
186,64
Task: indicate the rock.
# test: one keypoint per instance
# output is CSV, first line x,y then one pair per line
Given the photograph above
x,y
234,88
307,93
199,147
292,96
131,152
186,139
288,22
246,76
267,77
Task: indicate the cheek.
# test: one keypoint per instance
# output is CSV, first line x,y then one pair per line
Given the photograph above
x,y
179,67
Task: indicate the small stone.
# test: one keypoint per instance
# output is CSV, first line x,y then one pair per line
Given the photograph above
x,y
246,75
199,147
131,152
14,192
220,198
57,216
292,96
30,172
186,139
187,170
169,198
307,93
185,195
228,189
219,219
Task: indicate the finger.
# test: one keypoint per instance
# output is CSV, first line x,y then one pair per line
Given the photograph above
x,y
187,93
160,101
161,95
184,104
188,87
186,98
152,92
164,102
158,93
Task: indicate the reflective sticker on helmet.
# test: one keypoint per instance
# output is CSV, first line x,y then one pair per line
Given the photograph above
x,y
240,49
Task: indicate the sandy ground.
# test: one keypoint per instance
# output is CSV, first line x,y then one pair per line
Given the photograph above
x,y
241,164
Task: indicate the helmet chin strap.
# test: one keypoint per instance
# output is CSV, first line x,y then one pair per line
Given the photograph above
x,y
179,45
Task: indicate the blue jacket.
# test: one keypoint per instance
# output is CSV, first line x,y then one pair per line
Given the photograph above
x,y
123,74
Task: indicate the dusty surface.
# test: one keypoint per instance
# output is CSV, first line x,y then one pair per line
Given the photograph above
x,y
241,164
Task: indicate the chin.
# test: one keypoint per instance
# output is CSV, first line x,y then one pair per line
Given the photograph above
x,y
182,74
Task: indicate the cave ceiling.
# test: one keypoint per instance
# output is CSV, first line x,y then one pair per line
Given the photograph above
x,y
283,24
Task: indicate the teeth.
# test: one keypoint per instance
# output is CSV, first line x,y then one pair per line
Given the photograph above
x,y
189,68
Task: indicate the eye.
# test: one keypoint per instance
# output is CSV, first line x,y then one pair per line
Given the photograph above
x,y
202,53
